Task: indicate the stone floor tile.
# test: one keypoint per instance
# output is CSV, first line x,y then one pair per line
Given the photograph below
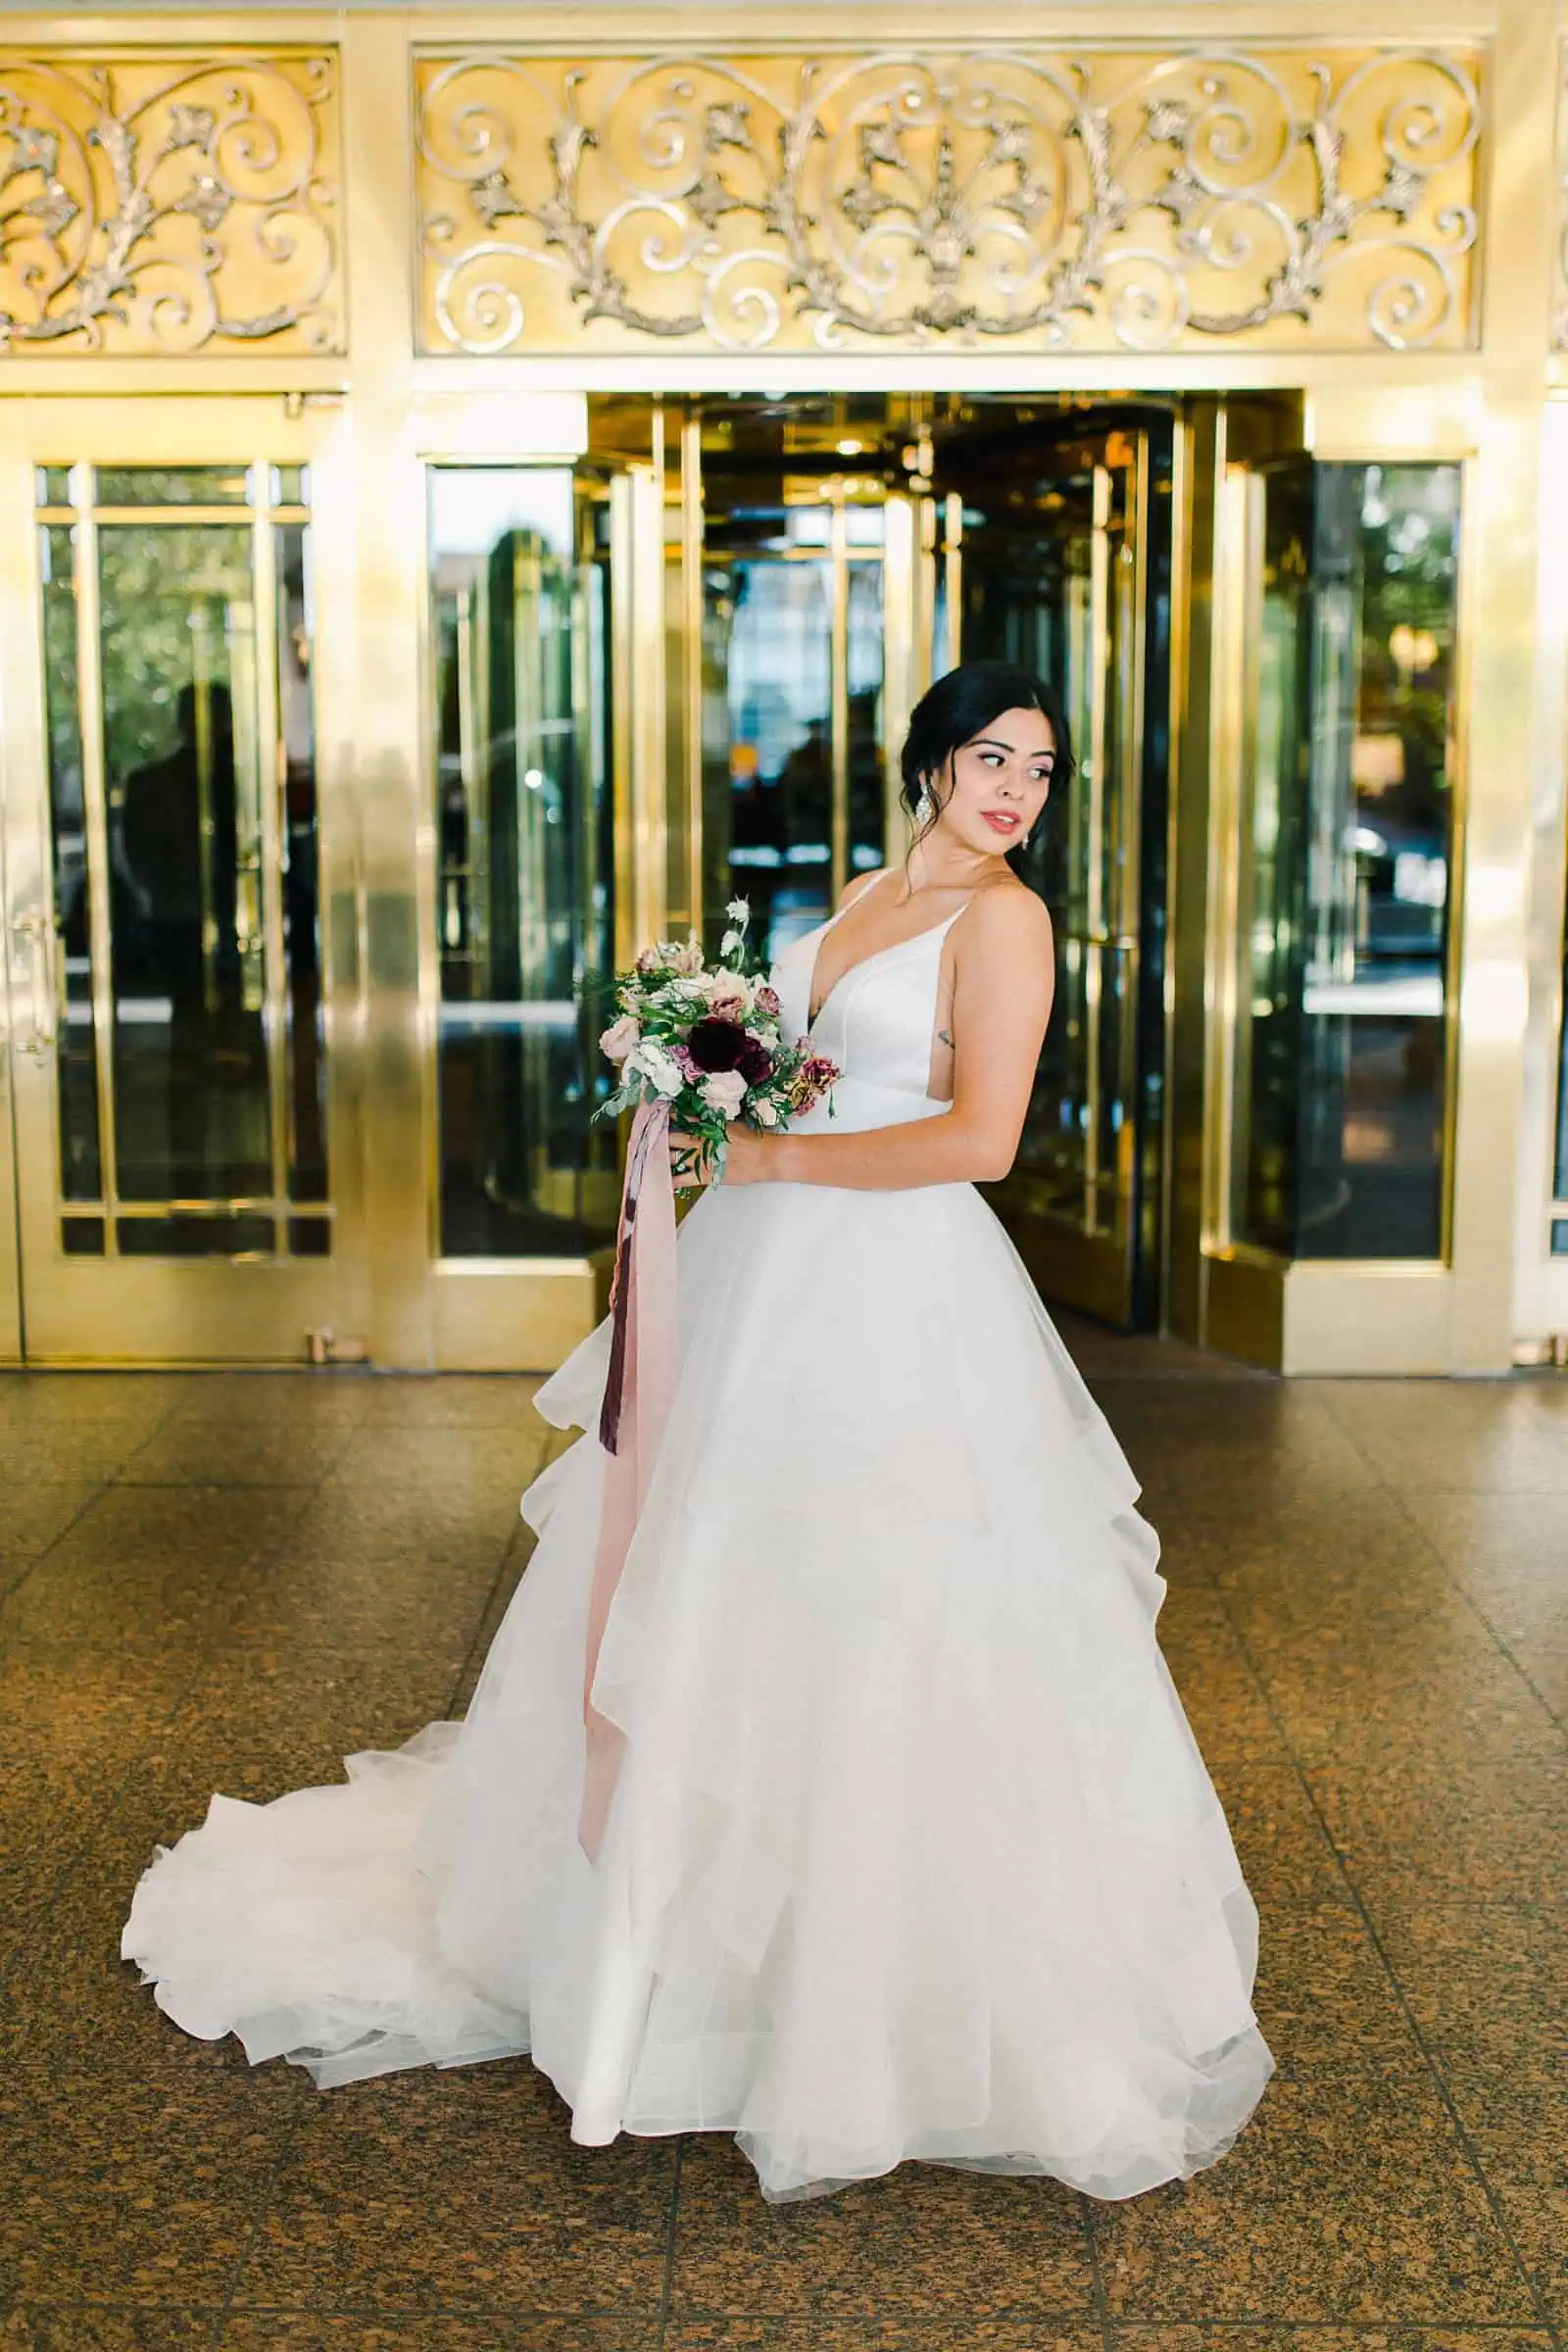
x,y
1493,1437
1284,1854
1487,1987
334,1396
917,2332
471,1461
34,1518
106,2327
456,2193
125,2191
1536,2219
35,1397
511,2330
1327,1999
1349,1696
65,1451
1225,1701
1349,2199
453,1401
925,2239
190,1451
1228,2338
143,1573
1472,1830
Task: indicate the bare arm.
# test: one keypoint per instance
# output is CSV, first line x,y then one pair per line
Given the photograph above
x,y
1004,980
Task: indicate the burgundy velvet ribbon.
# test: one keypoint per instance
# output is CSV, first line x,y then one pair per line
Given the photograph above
x,y
631,1418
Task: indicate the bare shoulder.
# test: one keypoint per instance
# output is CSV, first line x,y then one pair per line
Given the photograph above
x,y
1009,919
857,888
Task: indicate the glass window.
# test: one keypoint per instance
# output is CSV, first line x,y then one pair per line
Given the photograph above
x,y
172,485
526,869
1340,1085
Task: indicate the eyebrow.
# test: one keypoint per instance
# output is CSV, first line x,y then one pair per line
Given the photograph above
x,y
996,742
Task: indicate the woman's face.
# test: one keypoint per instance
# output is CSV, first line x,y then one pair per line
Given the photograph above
x,y
998,783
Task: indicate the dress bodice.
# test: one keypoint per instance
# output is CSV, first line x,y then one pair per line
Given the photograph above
x,y
878,1020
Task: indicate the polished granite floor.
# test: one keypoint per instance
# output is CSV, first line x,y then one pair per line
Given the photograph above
x,y
230,1581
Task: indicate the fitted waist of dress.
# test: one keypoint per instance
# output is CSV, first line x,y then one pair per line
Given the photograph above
x,y
861,1102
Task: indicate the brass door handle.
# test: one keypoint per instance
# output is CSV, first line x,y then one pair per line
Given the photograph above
x,y
32,930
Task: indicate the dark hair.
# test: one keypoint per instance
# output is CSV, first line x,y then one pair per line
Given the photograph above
x,y
961,706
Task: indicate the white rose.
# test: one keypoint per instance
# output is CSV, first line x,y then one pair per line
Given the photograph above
x,y
723,1091
618,1041
650,1061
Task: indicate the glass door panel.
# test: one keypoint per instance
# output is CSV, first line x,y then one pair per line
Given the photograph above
x,y
164,869
1341,1067
1044,558
526,881
794,671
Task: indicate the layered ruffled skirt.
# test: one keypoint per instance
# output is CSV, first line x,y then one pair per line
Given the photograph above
x,y
912,1853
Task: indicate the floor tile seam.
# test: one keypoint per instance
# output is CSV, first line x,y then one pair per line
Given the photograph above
x,y
1475,1608
203,1650
1446,2328
470,1656
100,1489
666,2291
1100,2301
262,2205
1413,2026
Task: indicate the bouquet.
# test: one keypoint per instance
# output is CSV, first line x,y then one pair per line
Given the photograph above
x,y
704,1039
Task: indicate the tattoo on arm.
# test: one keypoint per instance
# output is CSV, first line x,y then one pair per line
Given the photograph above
x,y
944,1037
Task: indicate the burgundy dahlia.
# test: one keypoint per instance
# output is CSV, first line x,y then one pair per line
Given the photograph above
x,y
755,1063
717,1045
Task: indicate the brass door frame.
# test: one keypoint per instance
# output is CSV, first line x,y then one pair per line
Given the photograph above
x,y
1306,1315
1540,1277
119,1308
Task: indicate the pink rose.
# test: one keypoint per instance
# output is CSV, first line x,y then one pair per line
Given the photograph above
x,y
729,993
618,1041
724,1091
766,1001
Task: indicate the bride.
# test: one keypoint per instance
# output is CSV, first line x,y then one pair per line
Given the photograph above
x,y
911,1853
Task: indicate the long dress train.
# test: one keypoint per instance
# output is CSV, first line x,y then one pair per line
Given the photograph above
x,y
912,1853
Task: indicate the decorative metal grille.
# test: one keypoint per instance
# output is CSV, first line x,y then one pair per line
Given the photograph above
x,y
1109,201
165,202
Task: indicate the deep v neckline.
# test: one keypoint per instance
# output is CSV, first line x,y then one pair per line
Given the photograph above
x,y
876,954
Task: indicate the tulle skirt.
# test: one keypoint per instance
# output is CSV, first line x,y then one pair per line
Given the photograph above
x,y
911,1854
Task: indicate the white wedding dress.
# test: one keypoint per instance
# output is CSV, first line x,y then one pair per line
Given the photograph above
x,y
912,1853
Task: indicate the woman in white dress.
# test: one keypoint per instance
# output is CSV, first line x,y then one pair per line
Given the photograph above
x,y
911,1853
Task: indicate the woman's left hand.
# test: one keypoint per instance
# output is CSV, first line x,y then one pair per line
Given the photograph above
x,y
691,1159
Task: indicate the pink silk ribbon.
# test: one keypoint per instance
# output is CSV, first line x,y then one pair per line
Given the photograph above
x,y
631,1418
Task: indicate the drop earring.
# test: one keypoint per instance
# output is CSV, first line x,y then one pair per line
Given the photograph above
x,y
925,807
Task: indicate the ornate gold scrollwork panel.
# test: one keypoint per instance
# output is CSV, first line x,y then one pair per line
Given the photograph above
x,y
1094,200
160,201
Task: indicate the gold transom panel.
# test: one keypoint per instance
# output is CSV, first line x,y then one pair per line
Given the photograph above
x,y
167,201
1103,201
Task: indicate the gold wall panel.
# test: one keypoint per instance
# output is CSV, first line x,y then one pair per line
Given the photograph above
x,y
1559,291
167,201
1109,201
